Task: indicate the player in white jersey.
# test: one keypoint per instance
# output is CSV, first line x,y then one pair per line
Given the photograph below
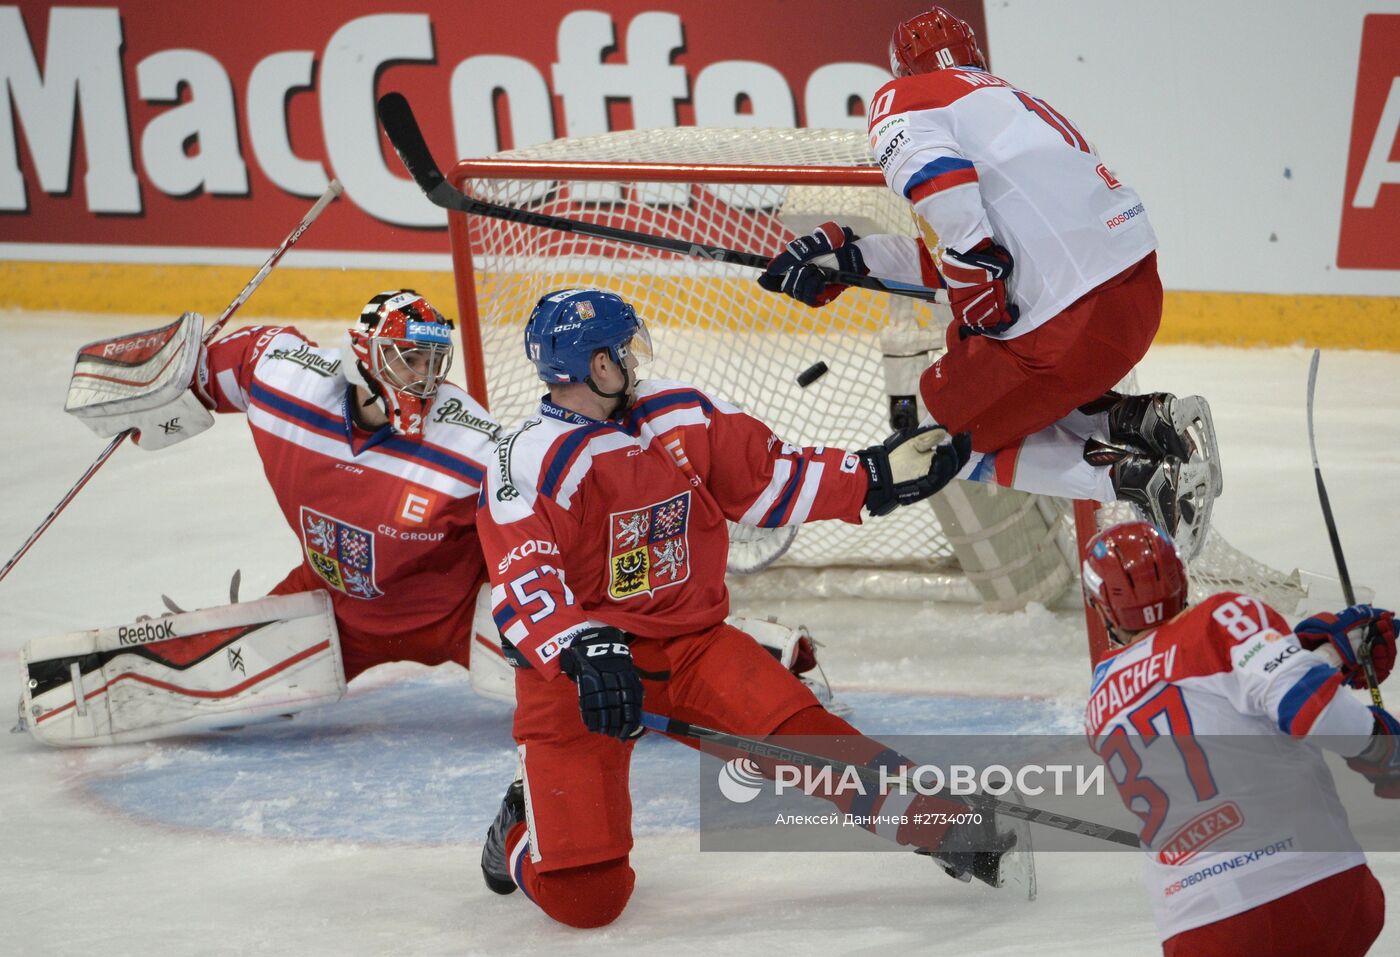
x,y
1248,847
1051,269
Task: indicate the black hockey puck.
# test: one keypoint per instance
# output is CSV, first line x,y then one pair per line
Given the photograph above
x,y
811,374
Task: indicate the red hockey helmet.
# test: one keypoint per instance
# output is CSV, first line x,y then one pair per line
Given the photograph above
x,y
400,351
932,41
1133,576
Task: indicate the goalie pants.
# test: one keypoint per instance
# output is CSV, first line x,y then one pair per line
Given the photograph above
x,y
573,859
1002,390
1340,916
362,647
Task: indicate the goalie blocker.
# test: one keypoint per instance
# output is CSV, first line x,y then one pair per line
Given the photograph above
x,y
181,674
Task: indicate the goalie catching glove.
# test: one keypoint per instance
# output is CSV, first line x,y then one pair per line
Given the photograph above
x,y
609,689
911,465
1344,632
795,272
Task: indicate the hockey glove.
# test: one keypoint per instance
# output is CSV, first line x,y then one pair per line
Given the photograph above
x,y
977,287
1345,631
911,465
1380,762
609,690
794,272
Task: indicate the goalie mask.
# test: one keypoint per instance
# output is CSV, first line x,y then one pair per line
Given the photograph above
x,y
567,327
933,41
1133,577
400,351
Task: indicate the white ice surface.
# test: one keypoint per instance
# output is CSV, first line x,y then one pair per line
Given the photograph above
x,y
356,830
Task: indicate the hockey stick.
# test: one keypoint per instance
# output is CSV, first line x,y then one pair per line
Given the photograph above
x,y
332,191
1363,653
407,138
776,752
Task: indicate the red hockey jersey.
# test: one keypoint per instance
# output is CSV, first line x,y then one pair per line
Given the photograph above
x,y
622,523
385,522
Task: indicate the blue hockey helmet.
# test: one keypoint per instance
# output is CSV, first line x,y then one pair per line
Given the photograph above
x,y
568,326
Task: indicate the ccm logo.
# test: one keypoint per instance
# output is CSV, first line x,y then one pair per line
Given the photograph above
x,y
417,506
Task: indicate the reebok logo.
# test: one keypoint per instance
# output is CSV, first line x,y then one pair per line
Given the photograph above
x,y
145,632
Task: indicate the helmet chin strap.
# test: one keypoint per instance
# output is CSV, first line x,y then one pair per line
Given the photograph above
x,y
621,395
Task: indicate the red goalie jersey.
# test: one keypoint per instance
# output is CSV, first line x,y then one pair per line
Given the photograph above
x,y
622,523
386,524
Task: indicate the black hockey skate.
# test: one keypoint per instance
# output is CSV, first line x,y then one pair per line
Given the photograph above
x,y
495,868
995,851
1151,486
1150,423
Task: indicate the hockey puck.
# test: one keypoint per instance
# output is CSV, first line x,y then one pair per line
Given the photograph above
x,y
811,374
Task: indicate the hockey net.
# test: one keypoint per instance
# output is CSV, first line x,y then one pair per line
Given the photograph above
x,y
711,324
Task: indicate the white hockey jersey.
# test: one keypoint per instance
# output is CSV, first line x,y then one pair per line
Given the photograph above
x,y
1186,718
979,158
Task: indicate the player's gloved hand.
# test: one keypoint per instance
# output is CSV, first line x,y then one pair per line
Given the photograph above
x,y
977,287
609,690
1344,633
911,465
794,272
1380,762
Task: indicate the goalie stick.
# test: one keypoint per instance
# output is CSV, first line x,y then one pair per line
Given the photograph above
x,y
766,749
407,138
1363,653
325,199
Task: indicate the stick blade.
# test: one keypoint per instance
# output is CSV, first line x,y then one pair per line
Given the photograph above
x,y
399,123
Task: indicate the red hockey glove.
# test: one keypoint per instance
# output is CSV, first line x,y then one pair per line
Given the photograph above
x,y
911,465
1380,762
977,287
794,272
1345,631
609,689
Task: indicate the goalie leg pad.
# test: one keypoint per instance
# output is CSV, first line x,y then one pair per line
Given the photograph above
x,y
182,674
492,676
796,651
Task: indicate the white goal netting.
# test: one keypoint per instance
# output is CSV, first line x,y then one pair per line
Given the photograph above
x,y
711,324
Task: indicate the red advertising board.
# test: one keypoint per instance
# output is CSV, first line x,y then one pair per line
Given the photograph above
x,y
168,124
1370,235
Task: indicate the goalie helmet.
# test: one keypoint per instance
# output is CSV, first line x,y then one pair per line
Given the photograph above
x,y
1133,577
933,41
400,350
567,327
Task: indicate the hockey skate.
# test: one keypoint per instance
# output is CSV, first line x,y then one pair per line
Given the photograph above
x,y
495,868
995,849
1177,494
1148,423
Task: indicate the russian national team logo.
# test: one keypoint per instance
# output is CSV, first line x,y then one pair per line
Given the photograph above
x,y
648,548
340,553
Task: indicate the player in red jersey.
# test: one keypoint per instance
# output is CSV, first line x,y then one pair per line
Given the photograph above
x,y
1233,866
604,526
376,461
1051,269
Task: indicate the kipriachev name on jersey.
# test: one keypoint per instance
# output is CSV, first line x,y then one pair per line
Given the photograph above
x,y
308,360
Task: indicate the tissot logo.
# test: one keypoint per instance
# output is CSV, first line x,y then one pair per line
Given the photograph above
x,y
1370,233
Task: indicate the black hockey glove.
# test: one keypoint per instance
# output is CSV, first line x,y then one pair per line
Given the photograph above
x,y
911,465
794,272
609,691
